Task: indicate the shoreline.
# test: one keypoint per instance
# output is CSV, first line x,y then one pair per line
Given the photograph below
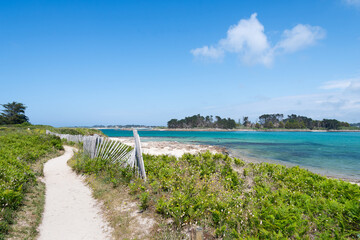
x,y
173,148
177,149
322,172
227,130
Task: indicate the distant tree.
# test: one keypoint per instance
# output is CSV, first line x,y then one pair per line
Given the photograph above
x,y
269,124
246,122
345,124
198,121
13,113
230,123
296,122
274,118
172,123
281,124
257,125
331,124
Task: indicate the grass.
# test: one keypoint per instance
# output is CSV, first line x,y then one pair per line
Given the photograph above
x,y
22,154
232,199
43,128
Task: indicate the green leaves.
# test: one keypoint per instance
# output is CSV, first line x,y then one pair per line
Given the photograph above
x,y
281,202
144,200
18,150
258,201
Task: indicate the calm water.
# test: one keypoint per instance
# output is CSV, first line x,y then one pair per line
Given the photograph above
x,y
333,154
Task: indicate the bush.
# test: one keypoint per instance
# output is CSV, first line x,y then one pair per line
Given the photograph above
x,y
144,200
266,201
18,150
112,172
282,202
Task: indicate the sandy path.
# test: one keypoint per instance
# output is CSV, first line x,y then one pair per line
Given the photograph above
x,y
70,211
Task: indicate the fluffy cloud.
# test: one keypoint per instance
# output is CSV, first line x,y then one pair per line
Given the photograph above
x,y
249,41
299,37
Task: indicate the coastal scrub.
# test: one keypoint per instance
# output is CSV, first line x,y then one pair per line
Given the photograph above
x,y
233,199
20,151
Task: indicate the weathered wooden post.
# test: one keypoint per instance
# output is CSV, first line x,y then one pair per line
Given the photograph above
x,y
138,155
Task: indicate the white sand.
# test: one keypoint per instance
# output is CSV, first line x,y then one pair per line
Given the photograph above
x,y
169,148
70,211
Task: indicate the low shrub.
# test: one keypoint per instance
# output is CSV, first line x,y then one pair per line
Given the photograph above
x,y
267,201
18,151
258,201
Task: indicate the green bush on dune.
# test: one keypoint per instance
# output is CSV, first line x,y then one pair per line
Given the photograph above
x,y
79,131
233,199
19,149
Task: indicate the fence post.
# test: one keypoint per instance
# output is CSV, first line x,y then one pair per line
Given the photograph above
x,y
138,155
96,146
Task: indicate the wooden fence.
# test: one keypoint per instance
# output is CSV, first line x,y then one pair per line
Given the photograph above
x,y
101,147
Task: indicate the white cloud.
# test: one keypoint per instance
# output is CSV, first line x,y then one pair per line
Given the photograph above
x,y
336,85
352,2
249,32
299,37
206,51
348,84
248,39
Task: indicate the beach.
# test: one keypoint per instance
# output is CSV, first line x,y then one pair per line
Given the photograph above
x,y
172,148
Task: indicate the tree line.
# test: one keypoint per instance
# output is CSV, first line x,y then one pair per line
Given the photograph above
x,y
294,121
269,121
198,121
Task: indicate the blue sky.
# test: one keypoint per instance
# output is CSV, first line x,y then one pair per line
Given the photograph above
x,y
145,62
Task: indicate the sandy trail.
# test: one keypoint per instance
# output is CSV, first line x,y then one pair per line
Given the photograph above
x,y
70,210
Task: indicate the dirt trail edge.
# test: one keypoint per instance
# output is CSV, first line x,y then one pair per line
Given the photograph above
x,y
70,210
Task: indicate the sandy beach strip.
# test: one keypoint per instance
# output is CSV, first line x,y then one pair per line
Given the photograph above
x,y
172,148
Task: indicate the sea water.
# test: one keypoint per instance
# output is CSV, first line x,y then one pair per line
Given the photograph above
x,y
335,154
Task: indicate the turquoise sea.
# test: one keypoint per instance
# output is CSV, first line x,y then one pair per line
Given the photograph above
x,y
335,154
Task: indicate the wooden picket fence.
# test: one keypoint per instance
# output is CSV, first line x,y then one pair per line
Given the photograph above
x,y
101,147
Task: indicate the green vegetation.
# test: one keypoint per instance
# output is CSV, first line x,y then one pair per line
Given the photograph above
x,y
269,121
198,121
114,172
13,113
20,150
43,128
78,131
232,199
294,121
